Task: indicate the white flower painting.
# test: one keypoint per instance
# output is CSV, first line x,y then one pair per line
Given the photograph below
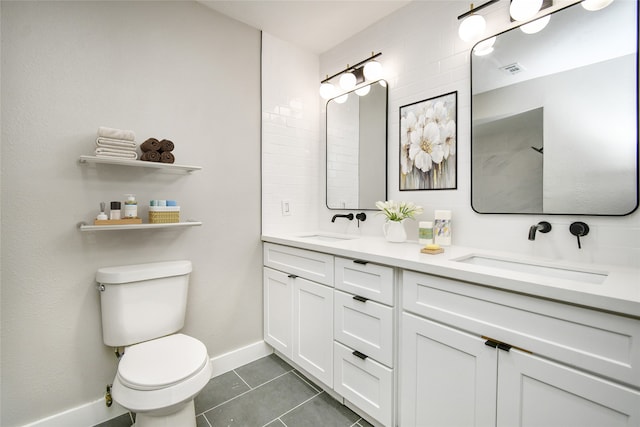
x,y
428,134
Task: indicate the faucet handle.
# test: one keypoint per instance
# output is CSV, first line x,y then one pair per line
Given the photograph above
x,y
579,229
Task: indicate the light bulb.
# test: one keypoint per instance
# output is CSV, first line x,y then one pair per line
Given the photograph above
x,y
373,70
522,10
535,26
348,81
485,47
327,90
363,90
593,5
472,27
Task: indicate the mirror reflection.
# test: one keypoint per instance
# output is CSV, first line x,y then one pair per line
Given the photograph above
x,y
357,148
554,116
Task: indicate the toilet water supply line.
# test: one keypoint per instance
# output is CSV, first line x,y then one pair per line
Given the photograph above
x,y
108,400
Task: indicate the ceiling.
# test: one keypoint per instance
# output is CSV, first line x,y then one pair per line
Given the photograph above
x,y
315,25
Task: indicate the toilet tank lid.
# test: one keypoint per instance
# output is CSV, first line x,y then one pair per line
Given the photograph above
x,y
139,272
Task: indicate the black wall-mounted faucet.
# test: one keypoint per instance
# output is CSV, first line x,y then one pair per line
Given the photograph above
x,y
579,229
348,216
542,226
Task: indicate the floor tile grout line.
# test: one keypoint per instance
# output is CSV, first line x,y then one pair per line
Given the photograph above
x,y
243,393
242,379
356,423
295,407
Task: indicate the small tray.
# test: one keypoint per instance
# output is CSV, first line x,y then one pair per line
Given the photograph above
x,y
123,221
432,251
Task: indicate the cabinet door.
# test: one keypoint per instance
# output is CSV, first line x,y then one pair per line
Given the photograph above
x,y
278,311
537,392
447,377
313,329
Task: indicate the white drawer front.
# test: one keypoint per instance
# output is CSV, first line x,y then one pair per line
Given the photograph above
x,y
365,383
311,265
364,326
369,280
604,343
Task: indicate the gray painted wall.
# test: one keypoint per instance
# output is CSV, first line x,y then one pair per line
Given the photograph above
x,y
175,70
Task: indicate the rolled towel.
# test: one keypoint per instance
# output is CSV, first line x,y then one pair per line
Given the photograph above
x,y
127,135
115,143
114,152
167,157
150,144
150,156
166,145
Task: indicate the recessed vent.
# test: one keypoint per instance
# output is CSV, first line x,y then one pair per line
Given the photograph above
x,y
512,69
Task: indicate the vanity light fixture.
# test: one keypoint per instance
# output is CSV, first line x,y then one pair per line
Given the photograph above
x,y
366,70
523,10
593,5
472,26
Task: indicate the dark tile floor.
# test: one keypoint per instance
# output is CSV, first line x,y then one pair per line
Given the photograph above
x,y
264,393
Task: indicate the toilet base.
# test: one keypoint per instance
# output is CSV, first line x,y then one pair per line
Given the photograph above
x,y
184,417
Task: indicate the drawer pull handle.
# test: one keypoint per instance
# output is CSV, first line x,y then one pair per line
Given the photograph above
x,y
359,298
498,345
362,356
361,261
292,276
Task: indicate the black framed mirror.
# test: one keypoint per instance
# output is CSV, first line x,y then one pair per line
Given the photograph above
x,y
356,164
555,116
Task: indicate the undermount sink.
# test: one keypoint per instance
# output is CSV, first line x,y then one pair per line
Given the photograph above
x,y
533,268
328,237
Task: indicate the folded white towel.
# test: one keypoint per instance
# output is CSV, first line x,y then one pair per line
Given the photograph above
x,y
115,143
114,152
106,132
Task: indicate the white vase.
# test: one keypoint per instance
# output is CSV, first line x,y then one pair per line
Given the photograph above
x,y
394,231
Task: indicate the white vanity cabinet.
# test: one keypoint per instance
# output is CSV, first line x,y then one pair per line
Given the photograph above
x,y
474,355
364,336
298,307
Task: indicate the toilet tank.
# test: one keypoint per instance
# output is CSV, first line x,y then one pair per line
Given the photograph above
x,y
142,302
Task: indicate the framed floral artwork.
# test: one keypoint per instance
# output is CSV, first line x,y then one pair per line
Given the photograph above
x,y
428,139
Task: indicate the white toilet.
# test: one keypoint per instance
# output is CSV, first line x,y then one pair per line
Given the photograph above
x,y
161,371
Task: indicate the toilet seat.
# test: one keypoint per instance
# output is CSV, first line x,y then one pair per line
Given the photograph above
x,y
162,362
138,393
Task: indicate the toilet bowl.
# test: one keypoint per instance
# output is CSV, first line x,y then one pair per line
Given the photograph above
x,y
158,380
161,371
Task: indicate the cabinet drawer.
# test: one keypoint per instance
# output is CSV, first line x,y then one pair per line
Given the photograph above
x,y
364,326
365,383
600,342
369,280
311,265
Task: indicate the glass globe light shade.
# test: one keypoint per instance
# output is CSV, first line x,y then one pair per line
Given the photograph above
x,y
472,27
521,10
373,70
485,47
348,81
535,26
593,5
363,90
342,99
327,90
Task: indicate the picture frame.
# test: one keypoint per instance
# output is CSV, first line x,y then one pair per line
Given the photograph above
x,y
428,144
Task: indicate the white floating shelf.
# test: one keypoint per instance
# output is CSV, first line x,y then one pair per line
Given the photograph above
x,y
86,227
137,163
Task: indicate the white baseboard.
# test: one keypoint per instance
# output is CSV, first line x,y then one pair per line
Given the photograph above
x,y
96,412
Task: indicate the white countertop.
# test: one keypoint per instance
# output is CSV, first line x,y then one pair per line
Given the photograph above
x,y
619,292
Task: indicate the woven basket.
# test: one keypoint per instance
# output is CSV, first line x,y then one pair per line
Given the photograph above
x,y
164,215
